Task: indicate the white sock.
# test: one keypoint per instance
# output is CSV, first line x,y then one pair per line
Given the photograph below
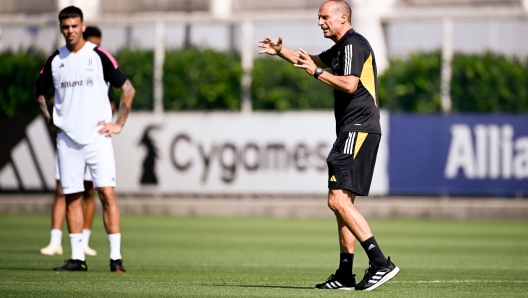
x,y
115,246
56,236
77,247
86,236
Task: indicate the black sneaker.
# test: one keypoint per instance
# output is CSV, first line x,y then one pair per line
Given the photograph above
x,y
375,277
117,266
72,265
338,282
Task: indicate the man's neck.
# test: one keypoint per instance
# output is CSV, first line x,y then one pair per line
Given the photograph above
x,y
75,48
342,33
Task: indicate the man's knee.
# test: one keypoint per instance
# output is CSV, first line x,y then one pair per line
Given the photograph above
x,y
106,194
338,198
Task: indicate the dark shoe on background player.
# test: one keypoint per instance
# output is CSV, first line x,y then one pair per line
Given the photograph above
x,y
117,266
338,281
72,265
375,277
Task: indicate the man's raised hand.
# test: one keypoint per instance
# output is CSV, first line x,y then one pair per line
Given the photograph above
x,y
270,46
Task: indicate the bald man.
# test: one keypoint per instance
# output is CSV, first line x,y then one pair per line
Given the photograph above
x,y
353,156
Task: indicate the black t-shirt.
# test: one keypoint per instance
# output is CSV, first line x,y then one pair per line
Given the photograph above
x,y
352,55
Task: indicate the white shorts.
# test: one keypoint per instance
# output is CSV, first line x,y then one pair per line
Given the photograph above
x,y
87,176
73,159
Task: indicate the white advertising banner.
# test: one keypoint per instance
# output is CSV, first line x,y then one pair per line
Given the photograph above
x,y
231,153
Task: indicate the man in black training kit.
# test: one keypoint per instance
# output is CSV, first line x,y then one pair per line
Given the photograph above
x,y
353,155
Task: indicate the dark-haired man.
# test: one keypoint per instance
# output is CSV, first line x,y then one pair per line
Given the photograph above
x,y
58,210
353,155
79,72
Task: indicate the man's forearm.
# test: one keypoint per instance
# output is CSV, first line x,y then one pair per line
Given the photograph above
x,y
346,84
288,55
41,100
127,95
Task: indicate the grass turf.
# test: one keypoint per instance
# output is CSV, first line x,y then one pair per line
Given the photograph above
x,y
265,257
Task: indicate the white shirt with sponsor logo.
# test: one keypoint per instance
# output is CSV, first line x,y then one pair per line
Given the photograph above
x,y
81,90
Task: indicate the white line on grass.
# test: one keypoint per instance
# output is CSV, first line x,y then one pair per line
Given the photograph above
x,y
459,281
234,284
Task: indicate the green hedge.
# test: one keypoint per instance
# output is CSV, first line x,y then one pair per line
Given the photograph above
x,y
278,85
489,83
138,65
18,73
480,83
411,85
203,79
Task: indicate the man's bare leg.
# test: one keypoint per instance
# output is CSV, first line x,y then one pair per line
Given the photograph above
x,y
347,241
380,269
347,244
58,213
111,215
74,217
88,204
88,214
112,222
342,203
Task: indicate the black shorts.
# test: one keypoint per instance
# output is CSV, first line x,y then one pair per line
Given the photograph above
x,y
351,161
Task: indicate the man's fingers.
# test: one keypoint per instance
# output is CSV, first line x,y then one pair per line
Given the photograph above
x,y
302,53
303,66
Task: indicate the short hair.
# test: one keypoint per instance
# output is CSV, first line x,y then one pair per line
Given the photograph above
x,y
92,31
70,12
344,7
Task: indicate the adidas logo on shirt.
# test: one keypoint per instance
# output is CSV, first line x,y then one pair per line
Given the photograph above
x,y
333,179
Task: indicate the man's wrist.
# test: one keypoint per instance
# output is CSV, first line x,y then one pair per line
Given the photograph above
x,y
318,71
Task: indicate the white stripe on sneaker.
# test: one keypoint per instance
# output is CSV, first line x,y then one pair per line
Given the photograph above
x,y
384,279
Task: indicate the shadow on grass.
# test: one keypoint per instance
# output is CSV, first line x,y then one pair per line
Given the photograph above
x,y
26,269
20,251
262,286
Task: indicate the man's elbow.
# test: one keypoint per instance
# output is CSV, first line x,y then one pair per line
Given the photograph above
x,y
132,91
351,89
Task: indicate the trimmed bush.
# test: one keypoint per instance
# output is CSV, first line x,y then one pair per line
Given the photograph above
x,y
18,73
411,85
197,79
278,85
489,83
138,65
204,79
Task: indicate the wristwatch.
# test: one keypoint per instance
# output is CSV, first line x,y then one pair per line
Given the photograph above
x,y
318,72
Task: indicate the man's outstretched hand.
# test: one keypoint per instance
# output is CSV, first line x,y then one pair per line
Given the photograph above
x,y
305,61
270,46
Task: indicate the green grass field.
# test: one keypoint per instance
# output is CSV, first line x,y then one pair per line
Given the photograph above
x,y
265,257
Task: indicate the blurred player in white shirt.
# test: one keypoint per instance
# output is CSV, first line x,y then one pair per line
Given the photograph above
x,y
58,211
82,115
